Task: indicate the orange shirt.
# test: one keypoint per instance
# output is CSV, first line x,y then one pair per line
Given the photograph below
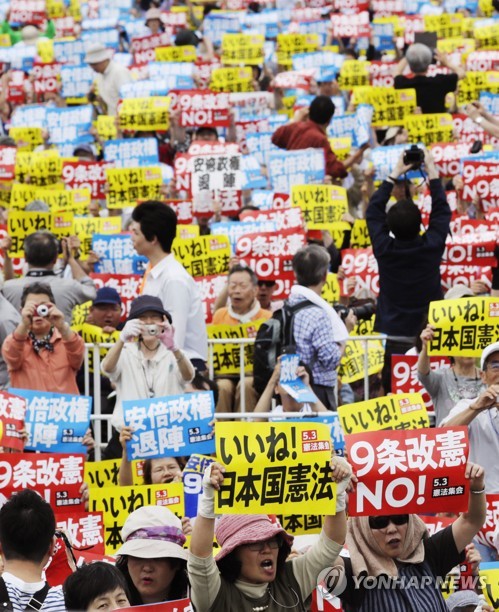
x,y
222,317
46,371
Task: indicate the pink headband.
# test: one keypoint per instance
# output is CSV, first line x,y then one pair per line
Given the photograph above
x,y
167,534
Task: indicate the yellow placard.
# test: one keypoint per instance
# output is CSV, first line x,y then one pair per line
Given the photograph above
x,y
144,114
391,106
62,224
429,129
95,334
320,204
341,147
272,468
106,127
79,315
401,411
470,87
116,504
336,229
486,7
243,49
75,201
331,290
42,167
127,185
227,357
45,50
449,45
86,227
185,53
447,25
487,37
27,138
360,238
185,232
489,577
232,79
353,363
203,256
21,194
354,73
289,44
301,524
20,224
463,327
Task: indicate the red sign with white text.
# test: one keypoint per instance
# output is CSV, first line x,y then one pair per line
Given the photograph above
x,y
361,265
12,414
198,107
127,285
405,375
79,174
486,534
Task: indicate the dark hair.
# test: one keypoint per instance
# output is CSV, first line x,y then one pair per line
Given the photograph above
x,y
404,220
321,110
157,220
200,383
36,288
178,586
147,468
230,566
27,526
311,264
91,581
249,272
41,249
206,129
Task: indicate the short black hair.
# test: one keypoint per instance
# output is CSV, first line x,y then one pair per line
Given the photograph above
x,y
41,249
89,582
249,272
36,288
321,110
157,220
27,526
404,220
206,129
230,566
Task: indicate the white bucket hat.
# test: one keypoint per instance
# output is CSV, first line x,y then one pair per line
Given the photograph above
x,y
152,532
98,53
492,348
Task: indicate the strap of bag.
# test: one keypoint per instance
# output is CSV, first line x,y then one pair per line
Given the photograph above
x,y
35,603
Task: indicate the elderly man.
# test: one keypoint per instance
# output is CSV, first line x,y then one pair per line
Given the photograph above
x,y
430,91
243,307
110,76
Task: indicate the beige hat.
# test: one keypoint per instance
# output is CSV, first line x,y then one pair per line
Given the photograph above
x,y
391,132
153,13
98,53
458,291
30,34
152,532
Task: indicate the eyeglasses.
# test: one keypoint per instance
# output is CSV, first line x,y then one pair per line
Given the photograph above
x,y
273,543
381,522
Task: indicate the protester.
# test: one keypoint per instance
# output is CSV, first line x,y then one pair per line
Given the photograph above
x,y
110,76
43,352
9,320
96,587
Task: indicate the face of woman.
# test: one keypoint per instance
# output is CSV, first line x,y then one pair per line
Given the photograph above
x,y
109,601
259,561
152,577
390,539
164,470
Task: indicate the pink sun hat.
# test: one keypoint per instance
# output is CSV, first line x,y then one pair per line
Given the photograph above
x,y
234,530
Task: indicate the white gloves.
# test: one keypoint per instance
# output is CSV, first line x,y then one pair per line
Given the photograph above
x,y
132,329
206,502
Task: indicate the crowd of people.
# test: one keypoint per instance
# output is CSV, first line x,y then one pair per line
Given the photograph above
x,y
214,118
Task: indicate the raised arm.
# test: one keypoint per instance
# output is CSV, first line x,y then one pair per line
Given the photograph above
x,y
465,528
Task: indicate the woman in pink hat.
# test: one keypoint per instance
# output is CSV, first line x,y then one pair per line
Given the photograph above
x,y
250,573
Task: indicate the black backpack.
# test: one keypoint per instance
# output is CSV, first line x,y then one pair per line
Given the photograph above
x,y
272,337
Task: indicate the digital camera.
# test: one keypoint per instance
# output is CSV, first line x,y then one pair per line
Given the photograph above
x,y
152,330
42,310
414,156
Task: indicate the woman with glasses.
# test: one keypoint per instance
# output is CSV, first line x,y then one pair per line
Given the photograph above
x,y
251,573
395,566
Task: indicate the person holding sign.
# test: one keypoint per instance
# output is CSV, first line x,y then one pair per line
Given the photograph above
x,y
250,573
43,353
394,565
146,361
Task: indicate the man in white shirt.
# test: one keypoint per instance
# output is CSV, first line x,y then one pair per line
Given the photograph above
x,y
109,78
153,229
27,540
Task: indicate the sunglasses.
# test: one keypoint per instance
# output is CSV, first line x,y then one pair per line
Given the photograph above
x,y
381,522
273,543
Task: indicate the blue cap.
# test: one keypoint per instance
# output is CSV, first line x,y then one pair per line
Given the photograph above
x,y
107,295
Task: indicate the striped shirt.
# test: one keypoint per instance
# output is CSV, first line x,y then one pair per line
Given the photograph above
x,y
315,343
21,592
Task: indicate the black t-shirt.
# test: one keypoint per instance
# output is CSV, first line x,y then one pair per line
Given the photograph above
x,y
406,595
430,91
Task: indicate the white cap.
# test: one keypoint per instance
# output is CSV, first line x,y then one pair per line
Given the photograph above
x,y
492,348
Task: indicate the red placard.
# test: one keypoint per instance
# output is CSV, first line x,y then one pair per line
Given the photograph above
x,y
7,163
198,107
12,413
486,534
357,25
78,174
210,287
466,130
84,530
294,79
381,73
179,605
464,275
481,180
409,471
45,77
471,249
435,524
361,265
56,476
33,12
142,47
183,210
447,156
288,218
127,285
405,375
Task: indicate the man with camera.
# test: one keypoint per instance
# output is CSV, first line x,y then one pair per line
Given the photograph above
x,y
408,261
43,353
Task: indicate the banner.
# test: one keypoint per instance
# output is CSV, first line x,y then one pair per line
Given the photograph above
x,y
289,44
173,426
203,256
57,477
7,163
463,327
244,49
183,53
127,185
476,249
86,227
117,503
12,415
227,357
402,411
275,467
199,108
142,47
55,422
429,128
361,265
20,224
391,106
127,286
214,172
480,180
232,79
448,155
86,174
144,114
302,167
353,362
409,471
117,255
320,204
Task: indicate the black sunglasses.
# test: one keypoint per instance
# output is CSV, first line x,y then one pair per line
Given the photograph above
x,y
381,522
